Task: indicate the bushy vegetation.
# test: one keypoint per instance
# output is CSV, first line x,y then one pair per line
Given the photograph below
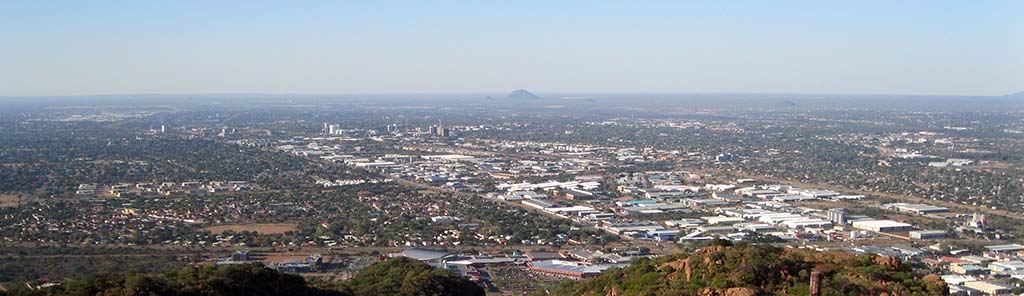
x,y
746,269
400,276
404,276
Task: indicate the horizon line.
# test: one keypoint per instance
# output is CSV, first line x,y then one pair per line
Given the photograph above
x,y
241,93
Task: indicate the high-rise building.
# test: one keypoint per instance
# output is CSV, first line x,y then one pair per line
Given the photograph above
x,y
333,129
163,129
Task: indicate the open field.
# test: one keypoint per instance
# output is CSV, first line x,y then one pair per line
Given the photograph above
x,y
8,200
260,228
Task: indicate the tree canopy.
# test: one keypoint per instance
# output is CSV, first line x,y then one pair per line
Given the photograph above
x,y
399,276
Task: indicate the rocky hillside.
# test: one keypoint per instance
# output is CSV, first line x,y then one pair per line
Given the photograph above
x,y
741,270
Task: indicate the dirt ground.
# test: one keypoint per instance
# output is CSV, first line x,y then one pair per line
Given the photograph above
x,y
8,200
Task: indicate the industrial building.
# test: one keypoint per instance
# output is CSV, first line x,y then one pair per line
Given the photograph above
x,y
806,223
918,209
792,198
719,220
567,268
989,288
882,225
538,204
1005,249
927,234
813,193
662,235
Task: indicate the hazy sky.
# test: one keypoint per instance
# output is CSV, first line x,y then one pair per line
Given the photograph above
x,y
118,47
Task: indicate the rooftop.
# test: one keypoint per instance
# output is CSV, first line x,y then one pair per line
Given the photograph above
x,y
424,254
1005,248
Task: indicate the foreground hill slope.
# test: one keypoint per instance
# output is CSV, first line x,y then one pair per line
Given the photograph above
x,y
399,276
725,269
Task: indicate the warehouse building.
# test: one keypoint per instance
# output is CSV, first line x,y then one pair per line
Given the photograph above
x,y
719,220
567,268
918,209
927,234
538,204
1005,249
989,288
882,225
807,223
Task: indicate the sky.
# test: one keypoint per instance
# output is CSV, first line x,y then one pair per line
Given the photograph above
x,y
858,47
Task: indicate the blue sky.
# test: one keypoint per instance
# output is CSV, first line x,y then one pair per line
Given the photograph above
x,y
897,47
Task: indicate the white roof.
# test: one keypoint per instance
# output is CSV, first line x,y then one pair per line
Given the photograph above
x,y
956,280
1009,264
722,218
448,157
1005,248
986,285
571,209
880,223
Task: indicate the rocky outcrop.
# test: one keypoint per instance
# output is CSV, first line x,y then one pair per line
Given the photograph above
x,y
729,292
889,262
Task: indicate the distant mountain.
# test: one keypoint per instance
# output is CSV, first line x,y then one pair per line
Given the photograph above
x,y
522,94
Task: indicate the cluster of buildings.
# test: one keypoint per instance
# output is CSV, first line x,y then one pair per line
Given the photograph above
x,y
574,264
308,263
990,272
163,188
674,206
784,193
348,182
453,171
718,210
441,131
332,130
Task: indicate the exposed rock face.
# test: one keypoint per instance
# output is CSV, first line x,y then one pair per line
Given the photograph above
x,y
815,283
684,264
889,262
748,270
728,292
614,291
935,279
679,266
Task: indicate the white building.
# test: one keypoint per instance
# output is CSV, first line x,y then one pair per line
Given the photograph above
x,y
882,225
989,288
